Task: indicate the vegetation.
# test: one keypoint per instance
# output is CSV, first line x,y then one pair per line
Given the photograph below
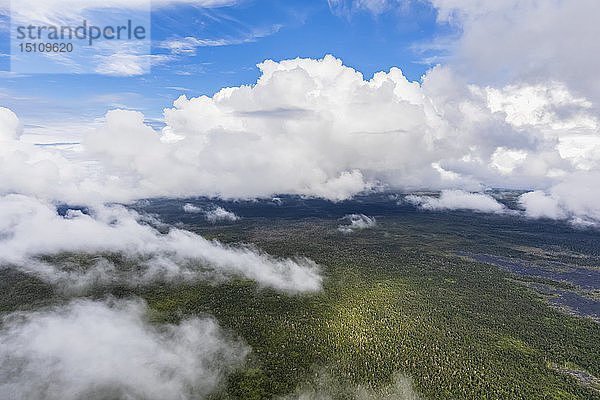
x,y
395,299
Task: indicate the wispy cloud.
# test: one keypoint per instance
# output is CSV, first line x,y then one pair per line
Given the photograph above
x,y
347,7
72,10
128,63
188,45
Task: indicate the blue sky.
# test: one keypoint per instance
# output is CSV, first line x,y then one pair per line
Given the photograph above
x,y
253,31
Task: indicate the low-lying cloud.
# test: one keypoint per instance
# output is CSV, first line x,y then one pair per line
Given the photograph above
x,y
570,201
220,214
212,214
538,204
192,209
356,222
458,200
107,350
575,199
30,228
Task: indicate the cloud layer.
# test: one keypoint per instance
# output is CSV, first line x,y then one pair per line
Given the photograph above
x,y
99,350
29,227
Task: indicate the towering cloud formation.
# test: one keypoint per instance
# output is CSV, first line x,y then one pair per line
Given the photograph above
x,y
318,128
